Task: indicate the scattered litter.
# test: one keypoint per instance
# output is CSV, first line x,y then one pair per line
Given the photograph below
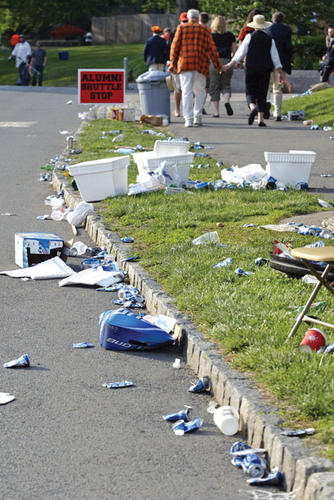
x,y
274,478
226,419
118,138
77,249
153,132
166,323
202,385
50,269
8,214
181,427
21,362
223,263
314,127
118,385
181,415
93,276
326,175
69,102
296,114
315,306
324,203
270,495
5,398
177,363
254,465
46,177
313,340
133,258
121,330
127,239
300,432
78,215
204,239
250,225
84,115
307,122
64,132
329,349
32,248
309,279
240,272
279,227
42,217
129,296
82,345
327,129
261,261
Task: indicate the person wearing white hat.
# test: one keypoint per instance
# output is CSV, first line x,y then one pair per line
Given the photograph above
x,y
261,58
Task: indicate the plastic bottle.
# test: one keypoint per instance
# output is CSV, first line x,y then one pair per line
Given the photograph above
x,y
118,138
226,419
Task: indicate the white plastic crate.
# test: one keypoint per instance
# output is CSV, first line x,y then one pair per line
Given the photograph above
x,y
164,148
100,179
173,155
291,167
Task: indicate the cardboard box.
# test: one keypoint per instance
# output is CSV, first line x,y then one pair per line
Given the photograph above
x,y
33,248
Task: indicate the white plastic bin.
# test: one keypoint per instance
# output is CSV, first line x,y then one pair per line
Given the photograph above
x,y
100,179
290,168
171,152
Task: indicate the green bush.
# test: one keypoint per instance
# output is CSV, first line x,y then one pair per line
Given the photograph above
x,y
308,51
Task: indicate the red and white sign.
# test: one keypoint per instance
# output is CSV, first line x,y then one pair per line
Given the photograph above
x,y
101,86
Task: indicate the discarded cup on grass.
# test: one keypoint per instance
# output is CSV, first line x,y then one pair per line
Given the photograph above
x,y
226,419
211,237
21,362
313,340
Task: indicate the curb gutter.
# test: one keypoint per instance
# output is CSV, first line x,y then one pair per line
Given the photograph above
x,y
310,477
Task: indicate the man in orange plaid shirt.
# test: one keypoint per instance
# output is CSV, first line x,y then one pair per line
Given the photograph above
x,y
191,49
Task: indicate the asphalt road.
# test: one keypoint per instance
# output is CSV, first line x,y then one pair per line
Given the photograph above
x,y
65,436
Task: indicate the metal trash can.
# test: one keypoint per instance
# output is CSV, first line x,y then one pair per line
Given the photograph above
x,y
154,94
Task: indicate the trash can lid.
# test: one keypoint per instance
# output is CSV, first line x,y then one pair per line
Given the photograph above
x,y
152,76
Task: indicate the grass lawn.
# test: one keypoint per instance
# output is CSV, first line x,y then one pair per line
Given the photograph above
x,y
60,73
317,106
249,318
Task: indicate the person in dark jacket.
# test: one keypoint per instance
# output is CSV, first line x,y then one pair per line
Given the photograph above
x,y
261,58
155,50
281,33
327,65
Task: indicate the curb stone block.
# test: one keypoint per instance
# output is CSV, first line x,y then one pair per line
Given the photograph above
x,y
270,432
320,486
305,467
292,452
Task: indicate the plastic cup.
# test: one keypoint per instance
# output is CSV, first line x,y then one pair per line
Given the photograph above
x,y
313,340
226,419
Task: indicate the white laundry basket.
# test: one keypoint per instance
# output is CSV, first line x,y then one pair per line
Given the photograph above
x,y
100,179
290,168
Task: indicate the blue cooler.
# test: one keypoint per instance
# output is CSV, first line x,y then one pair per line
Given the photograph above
x,y
121,330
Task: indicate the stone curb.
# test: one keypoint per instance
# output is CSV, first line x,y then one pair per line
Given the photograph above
x,y
309,476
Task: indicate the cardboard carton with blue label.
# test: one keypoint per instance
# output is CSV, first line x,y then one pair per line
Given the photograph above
x,y
33,248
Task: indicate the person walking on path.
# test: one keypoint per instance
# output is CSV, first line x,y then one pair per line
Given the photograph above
x,y
327,65
281,33
221,83
261,58
246,29
191,49
155,51
175,77
22,55
38,63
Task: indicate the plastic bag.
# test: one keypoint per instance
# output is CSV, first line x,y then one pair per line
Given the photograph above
x,y
79,214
